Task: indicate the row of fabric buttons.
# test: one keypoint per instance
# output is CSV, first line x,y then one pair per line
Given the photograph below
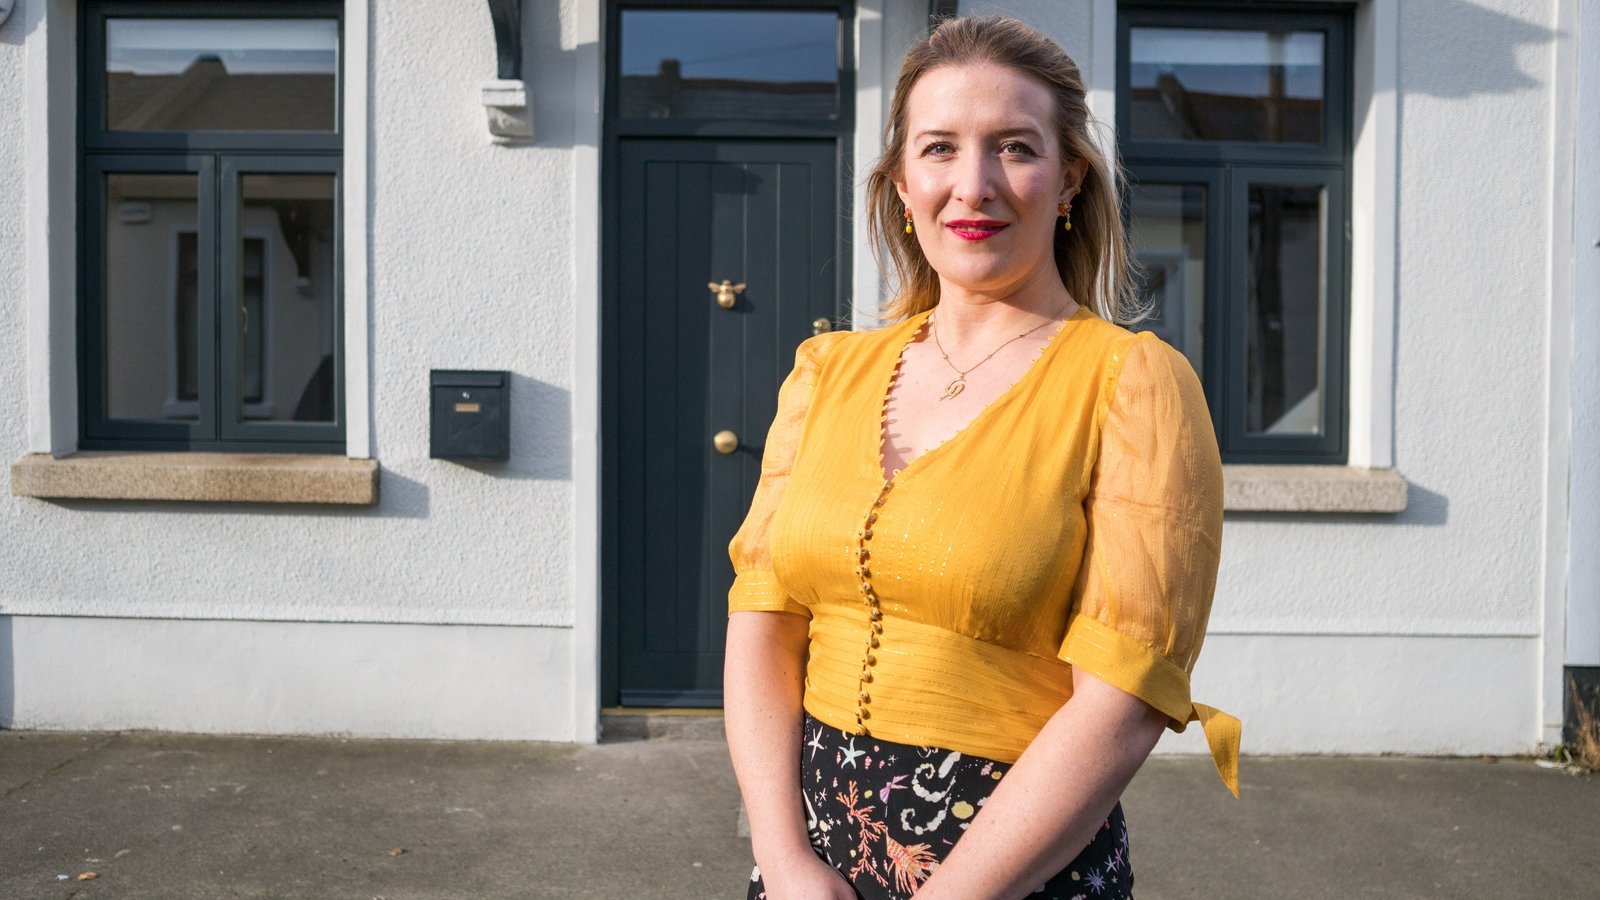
x,y
869,599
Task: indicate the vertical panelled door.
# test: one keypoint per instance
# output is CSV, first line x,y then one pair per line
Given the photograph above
x,y
726,122
727,263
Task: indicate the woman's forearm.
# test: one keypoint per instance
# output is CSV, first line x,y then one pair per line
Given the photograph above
x,y
1050,804
763,678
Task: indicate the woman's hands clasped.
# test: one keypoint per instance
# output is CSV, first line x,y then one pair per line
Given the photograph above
x,y
806,877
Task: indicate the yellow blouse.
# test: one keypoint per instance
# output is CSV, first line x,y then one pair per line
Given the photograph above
x,y
1076,521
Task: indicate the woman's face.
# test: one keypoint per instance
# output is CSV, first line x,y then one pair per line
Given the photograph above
x,y
983,175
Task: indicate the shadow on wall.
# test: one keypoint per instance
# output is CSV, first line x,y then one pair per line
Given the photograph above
x,y
398,497
541,435
1454,48
549,71
16,29
1424,507
8,675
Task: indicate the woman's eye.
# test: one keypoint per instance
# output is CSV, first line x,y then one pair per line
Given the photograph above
x,y
938,148
1016,148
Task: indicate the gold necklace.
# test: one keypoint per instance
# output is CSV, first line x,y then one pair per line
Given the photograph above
x,y
959,384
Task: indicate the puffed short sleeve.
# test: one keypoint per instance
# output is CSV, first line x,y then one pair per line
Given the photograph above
x,y
755,587
1154,512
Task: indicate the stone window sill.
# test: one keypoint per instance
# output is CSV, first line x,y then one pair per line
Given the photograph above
x,y
215,477
1330,489
264,478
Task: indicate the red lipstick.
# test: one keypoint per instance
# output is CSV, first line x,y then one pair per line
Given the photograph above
x,y
975,229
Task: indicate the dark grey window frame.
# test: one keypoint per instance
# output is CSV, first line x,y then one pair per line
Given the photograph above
x,y
219,160
1227,170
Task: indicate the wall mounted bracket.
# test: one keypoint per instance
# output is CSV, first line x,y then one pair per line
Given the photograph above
x,y
510,117
506,98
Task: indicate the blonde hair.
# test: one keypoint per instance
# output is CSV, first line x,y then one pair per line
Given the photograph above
x,y
1093,257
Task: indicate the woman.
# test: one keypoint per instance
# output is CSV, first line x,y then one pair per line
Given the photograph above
x,y
978,566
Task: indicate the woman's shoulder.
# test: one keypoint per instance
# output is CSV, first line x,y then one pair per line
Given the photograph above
x,y
1149,379
846,347
1122,348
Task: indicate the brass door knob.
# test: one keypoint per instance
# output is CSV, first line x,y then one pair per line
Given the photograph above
x,y
725,441
727,292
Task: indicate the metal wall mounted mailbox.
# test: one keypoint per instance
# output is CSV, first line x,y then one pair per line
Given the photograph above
x,y
471,414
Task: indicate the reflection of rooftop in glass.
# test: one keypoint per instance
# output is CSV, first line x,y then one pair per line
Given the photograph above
x,y
1213,47
245,46
1301,83
786,46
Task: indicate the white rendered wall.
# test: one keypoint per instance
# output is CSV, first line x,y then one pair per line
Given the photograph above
x,y
1464,560
1337,694
1583,598
398,681
1416,632
1423,627
470,268
13,235
1464,557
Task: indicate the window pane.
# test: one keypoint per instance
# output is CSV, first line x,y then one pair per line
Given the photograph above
x,y
1287,299
1192,84
222,74
716,64
1168,222
152,297
285,298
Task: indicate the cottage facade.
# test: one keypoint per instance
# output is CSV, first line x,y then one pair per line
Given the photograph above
x,y
238,241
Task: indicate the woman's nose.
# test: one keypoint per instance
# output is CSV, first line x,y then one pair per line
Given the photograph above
x,y
975,179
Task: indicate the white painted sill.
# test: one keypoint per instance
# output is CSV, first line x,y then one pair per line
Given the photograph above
x,y
1318,489
214,477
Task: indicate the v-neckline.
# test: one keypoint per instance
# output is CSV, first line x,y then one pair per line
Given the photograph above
x,y
916,327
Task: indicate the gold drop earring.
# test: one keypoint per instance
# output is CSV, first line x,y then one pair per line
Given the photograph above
x,y
908,221
1064,209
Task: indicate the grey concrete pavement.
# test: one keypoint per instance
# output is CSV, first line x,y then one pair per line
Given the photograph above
x,y
179,816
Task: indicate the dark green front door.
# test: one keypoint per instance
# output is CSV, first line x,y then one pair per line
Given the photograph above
x,y
763,213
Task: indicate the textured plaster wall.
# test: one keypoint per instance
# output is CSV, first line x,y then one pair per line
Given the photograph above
x,y
1464,558
1583,601
471,268
13,272
1469,407
1319,617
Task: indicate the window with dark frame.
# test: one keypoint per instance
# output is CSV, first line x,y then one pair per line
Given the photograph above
x,y
1234,126
209,146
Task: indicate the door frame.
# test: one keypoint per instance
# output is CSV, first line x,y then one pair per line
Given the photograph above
x,y
613,132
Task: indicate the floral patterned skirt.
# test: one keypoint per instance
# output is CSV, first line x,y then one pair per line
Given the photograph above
x,y
885,815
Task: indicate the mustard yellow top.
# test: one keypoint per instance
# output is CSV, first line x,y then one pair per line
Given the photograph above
x,y
1076,521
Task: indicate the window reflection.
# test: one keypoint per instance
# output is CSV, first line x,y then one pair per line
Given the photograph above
x,y
1168,225
1193,84
285,298
222,74
1287,297
714,64
152,297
